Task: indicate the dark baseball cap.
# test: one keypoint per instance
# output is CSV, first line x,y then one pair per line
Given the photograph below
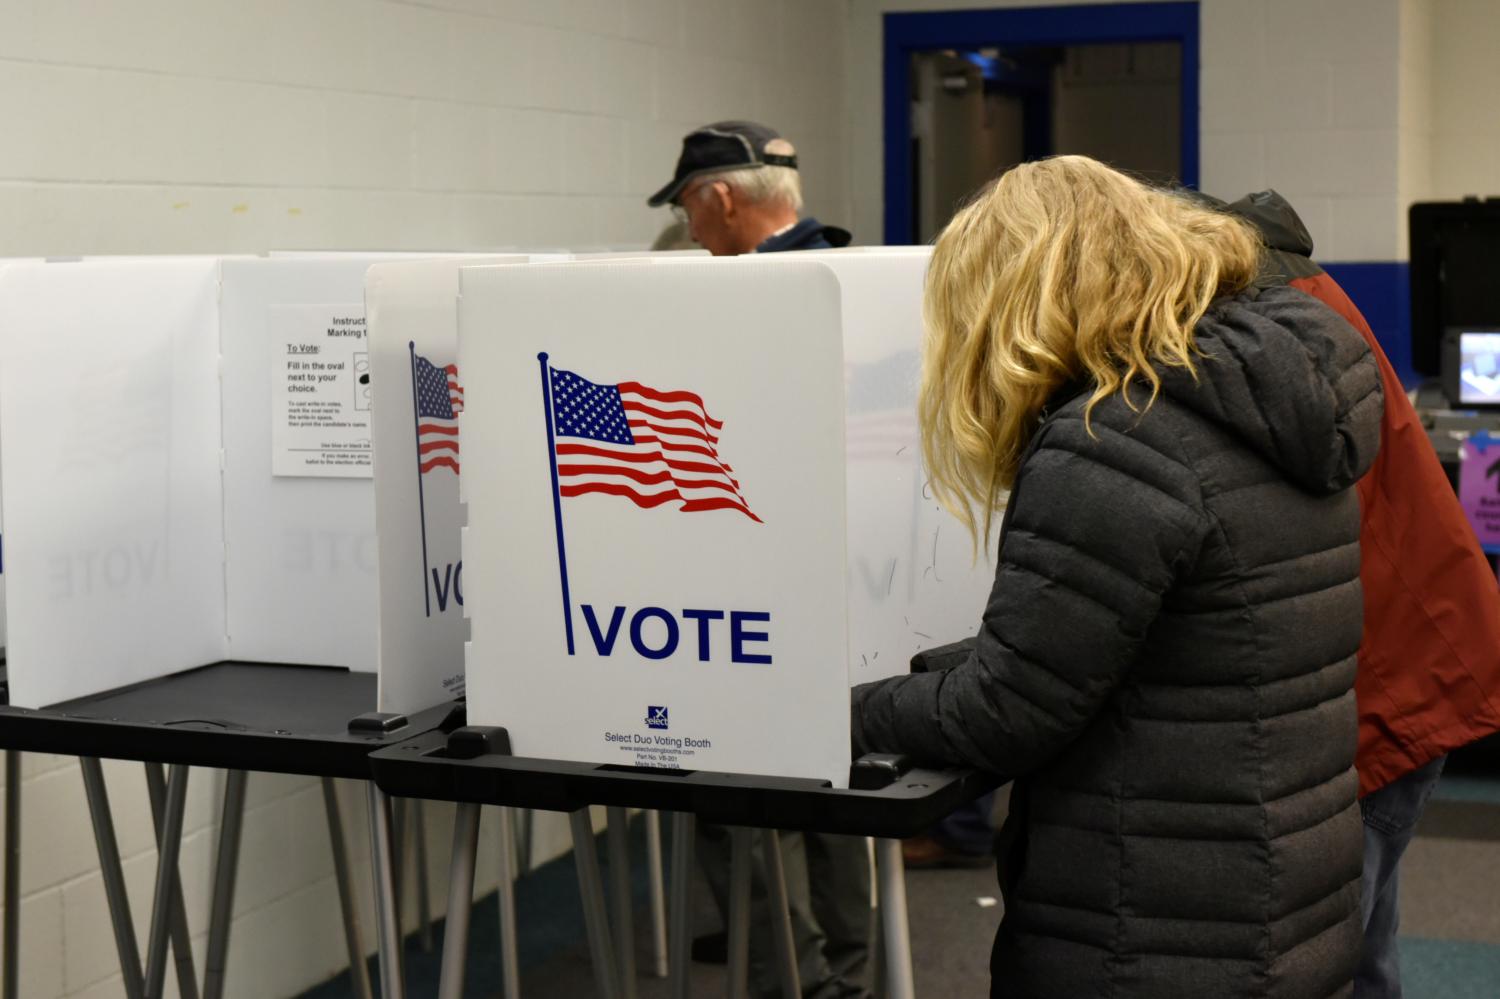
x,y
724,145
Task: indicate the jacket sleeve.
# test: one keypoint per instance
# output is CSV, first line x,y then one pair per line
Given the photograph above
x,y
1099,529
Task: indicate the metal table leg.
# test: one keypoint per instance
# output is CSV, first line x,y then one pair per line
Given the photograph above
x,y
680,907
114,877
408,838
460,901
656,888
424,903
226,875
510,955
617,836
781,920
12,968
739,912
595,919
169,847
182,939
392,982
897,933
523,822
354,938
398,857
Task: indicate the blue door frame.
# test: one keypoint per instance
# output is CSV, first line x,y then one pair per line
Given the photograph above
x,y
1067,25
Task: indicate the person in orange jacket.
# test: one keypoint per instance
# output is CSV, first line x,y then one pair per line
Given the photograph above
x,y
1429,662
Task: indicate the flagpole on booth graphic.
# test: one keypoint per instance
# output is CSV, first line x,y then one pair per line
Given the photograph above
x,y
416,421
562,556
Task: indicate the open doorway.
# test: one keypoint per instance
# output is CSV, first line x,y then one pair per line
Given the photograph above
x,y
971,93
977,113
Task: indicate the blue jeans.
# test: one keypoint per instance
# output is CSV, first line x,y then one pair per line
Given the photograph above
x,y
1390,816
969,830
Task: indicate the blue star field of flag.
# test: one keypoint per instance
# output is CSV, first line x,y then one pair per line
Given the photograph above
x,y
584,409
433,396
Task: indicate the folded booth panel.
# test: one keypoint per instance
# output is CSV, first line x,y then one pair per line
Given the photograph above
x,y
109,432
412,310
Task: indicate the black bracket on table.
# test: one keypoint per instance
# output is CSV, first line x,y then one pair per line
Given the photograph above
x,y
874,771
376,723
473,741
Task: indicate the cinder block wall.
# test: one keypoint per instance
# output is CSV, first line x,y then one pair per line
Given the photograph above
x,y
236,125
287,932
179,126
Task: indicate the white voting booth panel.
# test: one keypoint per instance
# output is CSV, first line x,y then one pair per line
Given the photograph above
x,y
3,264
299,523
914,582
412,310
655,542
109,434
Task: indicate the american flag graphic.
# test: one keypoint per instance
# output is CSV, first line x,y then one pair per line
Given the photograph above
x,y
648,446
439,401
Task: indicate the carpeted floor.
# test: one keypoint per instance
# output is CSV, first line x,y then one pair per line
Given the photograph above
x,y
1450,945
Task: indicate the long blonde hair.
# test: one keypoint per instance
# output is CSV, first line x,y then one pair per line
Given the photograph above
x,y
1063,270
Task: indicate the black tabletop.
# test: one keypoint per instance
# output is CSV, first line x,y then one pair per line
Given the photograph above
x,y
910,803
233,715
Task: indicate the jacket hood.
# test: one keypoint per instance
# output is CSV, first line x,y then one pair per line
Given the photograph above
x,y
1279,223
1293,380
1289,245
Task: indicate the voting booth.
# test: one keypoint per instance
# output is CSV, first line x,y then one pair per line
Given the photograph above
x,y
207,492
163,504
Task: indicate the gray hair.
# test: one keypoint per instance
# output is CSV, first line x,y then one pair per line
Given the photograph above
x,y
766,183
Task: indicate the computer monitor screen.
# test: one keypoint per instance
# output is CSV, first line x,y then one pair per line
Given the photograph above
x,y
1479,369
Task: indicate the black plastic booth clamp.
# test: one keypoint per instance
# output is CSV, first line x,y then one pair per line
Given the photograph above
x,y
376,723
470,742
874,771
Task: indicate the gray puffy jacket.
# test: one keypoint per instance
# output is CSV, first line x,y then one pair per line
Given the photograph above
x,y
1166,668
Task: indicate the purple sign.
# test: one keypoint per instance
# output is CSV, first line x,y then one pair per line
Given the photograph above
x,y
1479,487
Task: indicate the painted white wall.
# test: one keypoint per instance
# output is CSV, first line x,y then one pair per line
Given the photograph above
x,y
1465,76
240,125
1417,126
1299,95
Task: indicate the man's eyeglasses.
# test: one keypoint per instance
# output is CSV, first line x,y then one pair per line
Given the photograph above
x,y
679,207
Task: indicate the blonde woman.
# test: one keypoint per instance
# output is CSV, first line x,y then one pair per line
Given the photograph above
x,y
1166,663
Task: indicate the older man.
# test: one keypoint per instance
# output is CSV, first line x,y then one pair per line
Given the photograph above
x,y
737,190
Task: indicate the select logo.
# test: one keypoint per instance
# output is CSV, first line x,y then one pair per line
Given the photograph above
x,y
656,717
